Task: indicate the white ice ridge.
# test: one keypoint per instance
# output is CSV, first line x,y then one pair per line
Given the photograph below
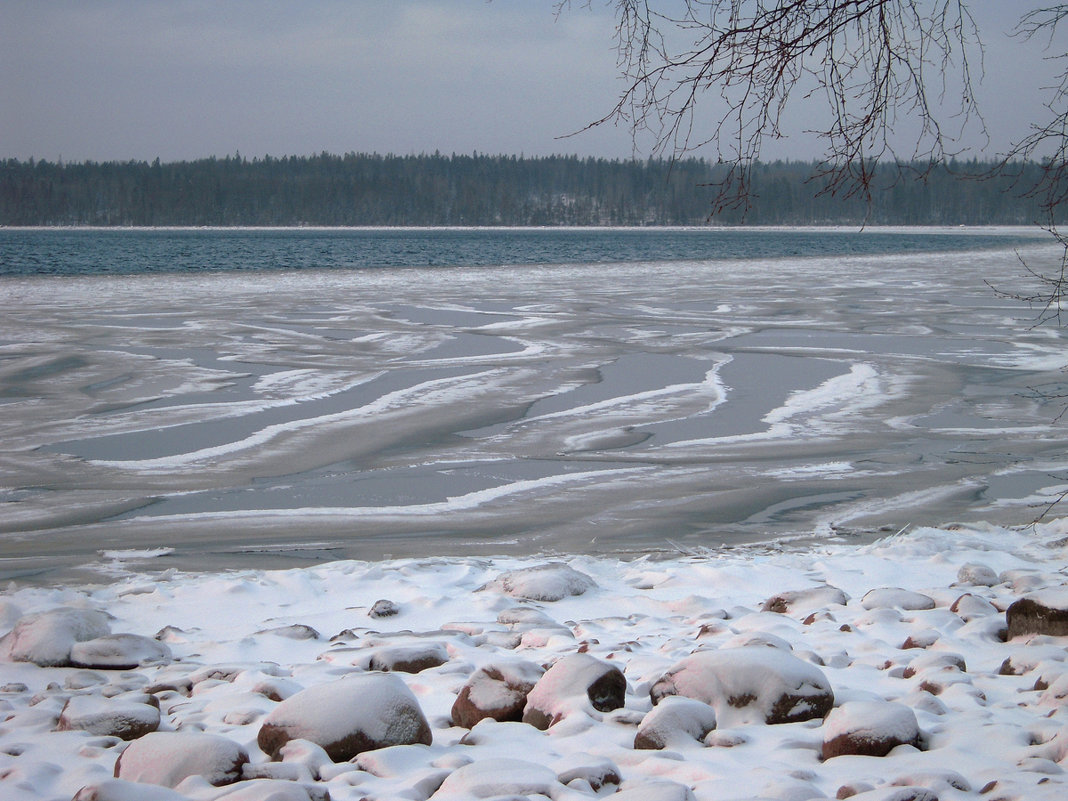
x,y
647,402
427,393
457,503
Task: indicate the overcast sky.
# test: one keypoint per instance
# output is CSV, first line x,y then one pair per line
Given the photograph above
x,y
182,79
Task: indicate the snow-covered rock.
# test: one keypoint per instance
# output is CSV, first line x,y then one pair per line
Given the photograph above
x,y
674,722
118,652
122,790
896,598
46,638
273,790
574,683
970,606
167,758
383,607
801,602
112,718
654,791
1041,612
749,685
497,691
408,658
493,778
977,574
358,713
548,582
869,728
294,631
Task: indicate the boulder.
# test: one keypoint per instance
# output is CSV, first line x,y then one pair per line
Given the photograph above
x,y
295,631
1042,612
498,691
501,777
896,598
273,790
803,601
654,791
869,728
574,683
383,607
118,652
977,574
749,685
409,658
167,758
673,722
121,790
358,713
549,582
595,771
123,719
46,638
971,607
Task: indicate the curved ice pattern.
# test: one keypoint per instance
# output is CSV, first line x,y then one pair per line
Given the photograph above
x,y
603,407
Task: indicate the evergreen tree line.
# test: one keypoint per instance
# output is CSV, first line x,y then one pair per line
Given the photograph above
x,y
429,190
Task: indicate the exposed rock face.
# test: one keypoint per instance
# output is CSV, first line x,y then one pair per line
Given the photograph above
x,y
497,691
118,652
578,682
358,713
548,582
123,719
1042,612
749,685
46,638
869,728
168,757
675,721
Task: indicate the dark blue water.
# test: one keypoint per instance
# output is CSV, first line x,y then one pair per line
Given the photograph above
x,y
128,252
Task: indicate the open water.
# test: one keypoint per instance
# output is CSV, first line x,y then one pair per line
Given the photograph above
x,y
214,399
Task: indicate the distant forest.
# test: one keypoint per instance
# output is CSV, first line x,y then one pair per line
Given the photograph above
x,y
431,190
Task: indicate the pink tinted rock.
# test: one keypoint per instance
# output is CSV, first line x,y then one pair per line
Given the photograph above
x,y
575,683
168,758
358,713
498,691
749,685
869,728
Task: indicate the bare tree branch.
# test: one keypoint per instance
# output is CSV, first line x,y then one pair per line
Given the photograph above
x,y
873,65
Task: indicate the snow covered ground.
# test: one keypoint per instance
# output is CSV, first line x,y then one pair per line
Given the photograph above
x,y
907,635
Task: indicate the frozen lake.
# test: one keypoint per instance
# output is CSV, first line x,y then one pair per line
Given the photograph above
x,y
270,418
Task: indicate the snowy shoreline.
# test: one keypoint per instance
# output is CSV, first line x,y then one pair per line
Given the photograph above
x,y
228,643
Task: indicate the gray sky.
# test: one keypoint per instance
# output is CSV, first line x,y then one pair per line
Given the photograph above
x,y
182,79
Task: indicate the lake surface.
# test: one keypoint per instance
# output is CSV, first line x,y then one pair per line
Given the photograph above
x,y
260,397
